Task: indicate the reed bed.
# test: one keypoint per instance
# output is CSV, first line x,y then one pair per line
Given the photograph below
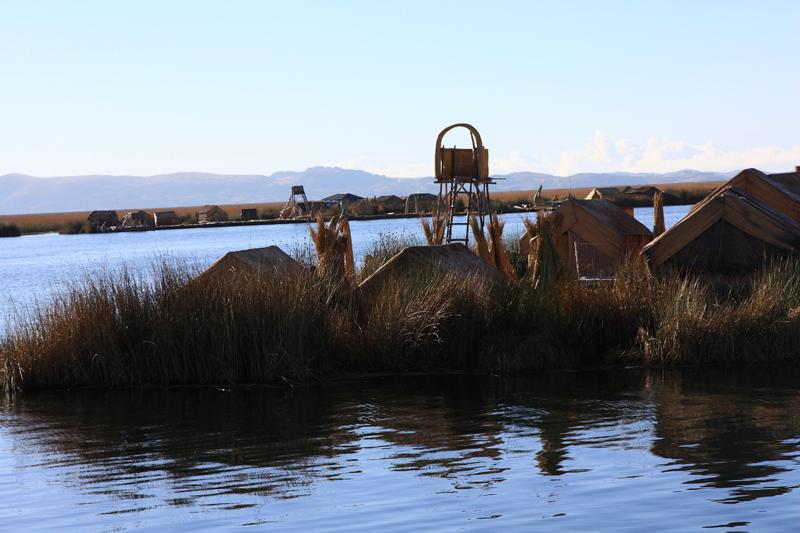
x,y
121,330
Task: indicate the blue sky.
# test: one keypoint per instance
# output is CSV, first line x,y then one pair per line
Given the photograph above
x,y
151,87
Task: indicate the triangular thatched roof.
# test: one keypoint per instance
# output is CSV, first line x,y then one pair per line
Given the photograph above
x,y
734,213
452,259
602,224
780,192
269,261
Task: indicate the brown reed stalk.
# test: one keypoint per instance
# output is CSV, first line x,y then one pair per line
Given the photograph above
x,y
481,246
497,249
527,241
433,229
658,214
349,262
547,267
330,246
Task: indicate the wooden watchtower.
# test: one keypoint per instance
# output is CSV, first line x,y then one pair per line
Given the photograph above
x,y
298,201
462,173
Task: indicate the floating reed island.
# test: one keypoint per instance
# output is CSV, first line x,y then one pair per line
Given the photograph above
x,y
573,291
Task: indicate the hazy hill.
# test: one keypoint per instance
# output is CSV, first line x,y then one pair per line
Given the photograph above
x,y
27,194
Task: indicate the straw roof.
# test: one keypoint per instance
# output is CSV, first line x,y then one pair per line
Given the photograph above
x,y
730,228
626,196
602,224
453,259
269,261
780,192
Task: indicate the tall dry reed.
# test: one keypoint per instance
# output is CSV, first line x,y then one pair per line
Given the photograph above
x,y
121,331
433,228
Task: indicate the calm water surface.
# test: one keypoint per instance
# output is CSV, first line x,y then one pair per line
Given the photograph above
x,y
32,267
622,451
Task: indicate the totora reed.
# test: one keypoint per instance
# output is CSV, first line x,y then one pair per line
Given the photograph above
x,y
121,330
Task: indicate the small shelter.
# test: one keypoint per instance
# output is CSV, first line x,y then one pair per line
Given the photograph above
x,y
103,219
449,259
165,218
730,232
248,213
136,219
390,204
592,236
270,261
365,207
342,199
421,202
211,213
628,196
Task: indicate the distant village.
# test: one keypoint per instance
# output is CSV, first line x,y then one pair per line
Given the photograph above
x,y
298,207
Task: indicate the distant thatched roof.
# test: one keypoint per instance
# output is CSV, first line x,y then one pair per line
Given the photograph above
x,y
342,197
101,213
267,261
627,196
453,259
207,209
729,222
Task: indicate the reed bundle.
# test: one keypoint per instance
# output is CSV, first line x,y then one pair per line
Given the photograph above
x,y
334,247
543,260
658,214
481,246
433,229
497,249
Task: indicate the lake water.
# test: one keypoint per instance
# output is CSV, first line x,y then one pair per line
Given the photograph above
x,y
627,450
32,267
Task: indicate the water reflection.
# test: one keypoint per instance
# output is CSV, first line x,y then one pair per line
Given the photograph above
x,y
688,439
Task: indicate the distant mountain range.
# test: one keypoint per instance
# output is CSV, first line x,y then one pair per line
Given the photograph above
x,y
27,194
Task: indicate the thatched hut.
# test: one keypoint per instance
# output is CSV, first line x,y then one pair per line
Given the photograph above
x,y
390,204
103,219
136,219
269,261
165,218
449,259
342,199
364,207
592,236
730,232
248,213
628,196
211,213
422,202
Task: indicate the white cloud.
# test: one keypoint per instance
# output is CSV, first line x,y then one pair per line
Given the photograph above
x,y
602,154
666,155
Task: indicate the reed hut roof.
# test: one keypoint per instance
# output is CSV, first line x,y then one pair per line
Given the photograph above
x,y
602,224
269,261
342,197
780,192
627,196
452,259
730,228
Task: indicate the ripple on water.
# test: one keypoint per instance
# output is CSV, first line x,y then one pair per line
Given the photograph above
x,y
576,452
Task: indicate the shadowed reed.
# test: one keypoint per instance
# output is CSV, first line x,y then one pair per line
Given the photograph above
x,y
122,330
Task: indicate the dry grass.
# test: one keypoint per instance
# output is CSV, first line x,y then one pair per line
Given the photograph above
x,y
123,331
